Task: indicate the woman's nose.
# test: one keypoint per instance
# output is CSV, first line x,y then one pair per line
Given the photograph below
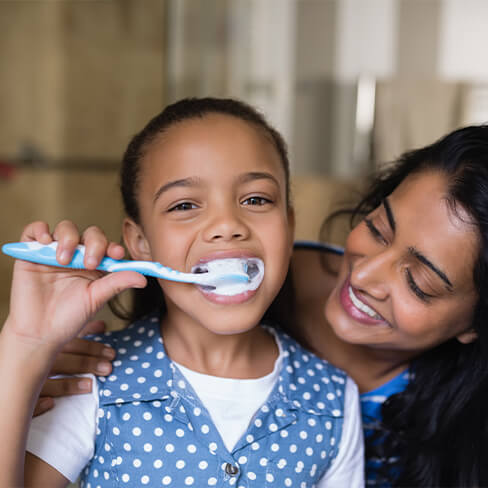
x,y
372,275
226,227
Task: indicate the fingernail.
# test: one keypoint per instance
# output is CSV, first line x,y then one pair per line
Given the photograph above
x,y
84,385
64,256
91,261
108,353
45,402
103,367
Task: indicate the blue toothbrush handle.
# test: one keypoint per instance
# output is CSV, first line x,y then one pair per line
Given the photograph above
x,y
46,254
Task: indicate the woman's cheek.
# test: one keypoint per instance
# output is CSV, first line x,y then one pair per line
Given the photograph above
x,y
415,324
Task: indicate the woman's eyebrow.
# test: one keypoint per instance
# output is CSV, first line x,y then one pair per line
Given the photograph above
x,y
416,254
389,214
185,182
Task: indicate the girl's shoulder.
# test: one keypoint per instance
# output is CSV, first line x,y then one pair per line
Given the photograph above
x,y
310,382
141,368
318,247
138,333
314,270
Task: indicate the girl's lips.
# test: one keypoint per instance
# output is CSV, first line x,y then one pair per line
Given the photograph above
x,y
227,299
240,254
356,313
232,293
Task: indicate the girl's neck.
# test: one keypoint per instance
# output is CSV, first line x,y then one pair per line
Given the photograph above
x,y
251,354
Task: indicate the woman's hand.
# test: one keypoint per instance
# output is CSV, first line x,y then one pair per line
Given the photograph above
x,y
78,357
49,305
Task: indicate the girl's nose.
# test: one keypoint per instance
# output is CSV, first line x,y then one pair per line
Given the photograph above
x,y
372,275
226,227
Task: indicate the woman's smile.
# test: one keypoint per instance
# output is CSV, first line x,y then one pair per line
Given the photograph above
x,y
406,271
357,308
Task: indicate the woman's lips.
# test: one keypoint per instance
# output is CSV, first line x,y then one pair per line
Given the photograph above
x,y
357,309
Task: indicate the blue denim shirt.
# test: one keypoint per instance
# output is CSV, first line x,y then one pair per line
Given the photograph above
x,y
154,431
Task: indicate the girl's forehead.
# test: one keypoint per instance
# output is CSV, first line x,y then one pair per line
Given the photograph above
x,y
212,127
214,141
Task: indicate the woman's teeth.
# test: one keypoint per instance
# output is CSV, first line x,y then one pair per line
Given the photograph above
x,y
362,306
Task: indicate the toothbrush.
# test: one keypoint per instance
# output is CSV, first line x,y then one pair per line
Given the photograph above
x,y
228,271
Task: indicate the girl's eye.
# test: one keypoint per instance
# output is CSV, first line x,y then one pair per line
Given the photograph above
x,y
259,201
183,206
374,231
425,297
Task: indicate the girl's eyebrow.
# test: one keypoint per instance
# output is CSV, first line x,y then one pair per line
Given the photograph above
x,y
185,182
257,175
195,181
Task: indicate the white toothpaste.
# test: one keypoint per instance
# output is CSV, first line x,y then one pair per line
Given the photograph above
x,y
254,267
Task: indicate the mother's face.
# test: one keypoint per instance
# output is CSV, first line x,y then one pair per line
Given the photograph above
x,y
406,281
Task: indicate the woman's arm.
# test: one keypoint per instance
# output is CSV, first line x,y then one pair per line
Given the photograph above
x,y
48,308
80,356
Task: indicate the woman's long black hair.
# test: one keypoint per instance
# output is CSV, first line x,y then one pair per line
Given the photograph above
x,y
438,427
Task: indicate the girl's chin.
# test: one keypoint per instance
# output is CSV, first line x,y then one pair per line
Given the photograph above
x,y
227,299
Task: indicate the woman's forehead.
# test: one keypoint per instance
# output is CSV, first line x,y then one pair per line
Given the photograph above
x,y
428,220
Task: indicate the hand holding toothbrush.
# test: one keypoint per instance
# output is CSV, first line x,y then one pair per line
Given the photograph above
x,y
49,306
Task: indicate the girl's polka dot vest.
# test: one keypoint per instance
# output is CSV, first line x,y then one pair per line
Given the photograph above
x,y
154,431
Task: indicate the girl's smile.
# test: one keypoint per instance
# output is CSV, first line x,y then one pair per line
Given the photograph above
x,y
232,292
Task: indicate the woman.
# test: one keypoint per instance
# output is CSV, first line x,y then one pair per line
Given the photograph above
x,y
405,313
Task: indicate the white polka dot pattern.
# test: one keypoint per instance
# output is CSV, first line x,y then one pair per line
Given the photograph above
x,y
154,431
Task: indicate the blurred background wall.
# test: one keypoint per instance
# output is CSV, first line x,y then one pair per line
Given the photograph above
x,y
350,83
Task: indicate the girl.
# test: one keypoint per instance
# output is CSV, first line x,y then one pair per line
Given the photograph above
x,y
200,394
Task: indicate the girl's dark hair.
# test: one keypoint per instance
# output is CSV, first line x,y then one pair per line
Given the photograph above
x,y
151,298
438,427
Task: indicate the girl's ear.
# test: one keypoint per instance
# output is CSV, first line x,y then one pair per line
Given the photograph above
x,y
467,336
135,241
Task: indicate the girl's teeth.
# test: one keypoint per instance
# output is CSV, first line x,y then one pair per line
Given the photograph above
x,y
362,306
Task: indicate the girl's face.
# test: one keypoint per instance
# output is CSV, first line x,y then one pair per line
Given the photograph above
x,y
213,188
406,281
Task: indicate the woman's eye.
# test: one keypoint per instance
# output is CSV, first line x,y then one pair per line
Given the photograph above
x,y
374,231
256,201
415,288
182,207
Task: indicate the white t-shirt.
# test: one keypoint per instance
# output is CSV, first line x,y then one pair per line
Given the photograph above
x,y
64,437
